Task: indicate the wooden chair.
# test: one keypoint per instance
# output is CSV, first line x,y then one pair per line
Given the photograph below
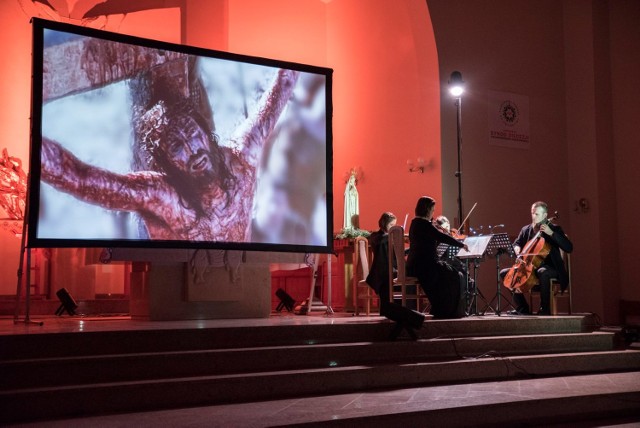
x,y
556,289
360,290
399,286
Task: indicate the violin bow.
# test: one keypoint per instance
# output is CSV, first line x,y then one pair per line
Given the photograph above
x,y
461,228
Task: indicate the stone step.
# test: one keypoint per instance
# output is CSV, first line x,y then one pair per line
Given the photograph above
x,y
50,372
298,332
560,402
79,400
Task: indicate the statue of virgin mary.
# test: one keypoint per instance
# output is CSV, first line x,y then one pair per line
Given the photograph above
x,y
351,204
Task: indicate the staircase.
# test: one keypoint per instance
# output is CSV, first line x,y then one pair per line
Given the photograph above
x,y
68,375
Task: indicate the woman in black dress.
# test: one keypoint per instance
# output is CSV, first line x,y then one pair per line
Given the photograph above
x,y
441,282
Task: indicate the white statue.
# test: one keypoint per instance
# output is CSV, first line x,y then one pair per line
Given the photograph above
x,y
351,204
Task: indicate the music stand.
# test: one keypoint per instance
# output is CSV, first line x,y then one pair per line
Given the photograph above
x,y
498,245
446,251
477,250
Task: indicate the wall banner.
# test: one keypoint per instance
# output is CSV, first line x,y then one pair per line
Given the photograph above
x,y
508,120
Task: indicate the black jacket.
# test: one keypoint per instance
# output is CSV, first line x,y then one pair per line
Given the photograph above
x,y
378,277
557,241
424,239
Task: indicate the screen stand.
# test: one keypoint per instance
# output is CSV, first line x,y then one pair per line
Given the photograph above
x,y
23,249
329,308
318,306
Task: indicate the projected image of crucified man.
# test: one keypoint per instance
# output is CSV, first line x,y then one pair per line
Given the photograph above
x,y
195,189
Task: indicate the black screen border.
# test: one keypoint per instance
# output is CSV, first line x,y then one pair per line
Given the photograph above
x,y
33,193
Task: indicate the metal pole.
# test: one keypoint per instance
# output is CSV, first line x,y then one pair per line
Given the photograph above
x,y
329,308
459,171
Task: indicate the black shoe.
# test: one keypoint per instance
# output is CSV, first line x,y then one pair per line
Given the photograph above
x,y
517,312
395,331
543,313
412,333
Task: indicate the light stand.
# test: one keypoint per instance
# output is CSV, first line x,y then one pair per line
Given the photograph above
x,y
456,89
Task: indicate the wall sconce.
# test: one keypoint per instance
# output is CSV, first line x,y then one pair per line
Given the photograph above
x,y
582,206
417,167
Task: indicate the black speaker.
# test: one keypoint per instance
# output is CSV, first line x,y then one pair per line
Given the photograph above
x,y
68,303
286,301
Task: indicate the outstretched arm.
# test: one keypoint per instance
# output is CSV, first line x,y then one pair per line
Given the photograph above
x,y
252,134
67,173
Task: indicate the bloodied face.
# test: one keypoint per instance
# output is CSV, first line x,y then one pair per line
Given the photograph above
x,y
187,148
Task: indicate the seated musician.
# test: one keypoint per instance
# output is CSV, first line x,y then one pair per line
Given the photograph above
x,y
378,277
552,266
440,281
442,223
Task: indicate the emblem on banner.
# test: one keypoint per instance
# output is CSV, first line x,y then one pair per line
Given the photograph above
x,y
509,113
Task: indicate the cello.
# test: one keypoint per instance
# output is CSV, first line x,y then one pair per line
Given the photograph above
x,y
522,275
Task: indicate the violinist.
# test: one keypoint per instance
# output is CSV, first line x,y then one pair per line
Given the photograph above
x,y
441,282
442,223
552,266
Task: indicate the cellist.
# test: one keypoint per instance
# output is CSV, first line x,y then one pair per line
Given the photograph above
x,y
552,266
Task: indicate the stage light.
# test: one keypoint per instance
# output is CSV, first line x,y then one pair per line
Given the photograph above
x,y
286,301
67,302
456,84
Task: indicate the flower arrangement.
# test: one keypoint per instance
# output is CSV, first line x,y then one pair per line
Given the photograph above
x,y
351,233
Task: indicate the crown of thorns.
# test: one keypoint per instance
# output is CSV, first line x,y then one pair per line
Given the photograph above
x,y
150,125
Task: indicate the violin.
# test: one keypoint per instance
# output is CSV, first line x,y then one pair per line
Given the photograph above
x,y
452,232
457,235
521,276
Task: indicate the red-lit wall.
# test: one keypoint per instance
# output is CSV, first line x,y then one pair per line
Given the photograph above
x,y
386,89
69,268
574,59
386,86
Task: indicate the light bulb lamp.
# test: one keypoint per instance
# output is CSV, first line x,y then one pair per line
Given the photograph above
x,y
456,89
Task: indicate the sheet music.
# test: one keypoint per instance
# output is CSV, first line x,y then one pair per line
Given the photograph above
x,y
477,246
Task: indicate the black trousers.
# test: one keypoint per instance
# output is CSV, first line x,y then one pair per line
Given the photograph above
x,y
545,274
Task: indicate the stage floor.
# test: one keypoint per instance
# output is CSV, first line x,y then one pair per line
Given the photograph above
x,y
70,324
